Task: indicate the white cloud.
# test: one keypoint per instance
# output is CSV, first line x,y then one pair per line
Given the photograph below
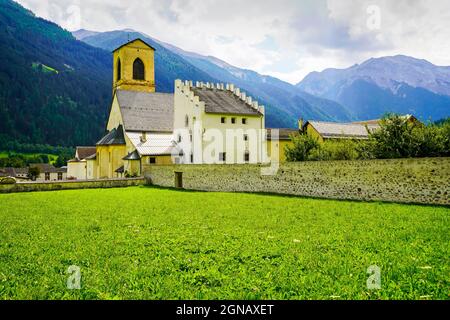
x,y
308,35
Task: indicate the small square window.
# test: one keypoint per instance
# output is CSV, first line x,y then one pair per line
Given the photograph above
x,y
245,137
244,120
223,120
233,120
223,156
152,160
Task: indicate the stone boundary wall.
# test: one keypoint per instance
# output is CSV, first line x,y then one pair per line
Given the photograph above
x,y
422,181
68,185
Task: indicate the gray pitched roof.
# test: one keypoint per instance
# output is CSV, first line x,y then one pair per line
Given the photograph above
x,y
47,168
224,102
7,172
85,152
283,133
114,137
342,130
133,156
143,111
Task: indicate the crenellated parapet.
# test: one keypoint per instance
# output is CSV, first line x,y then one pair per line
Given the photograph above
x,y
187,86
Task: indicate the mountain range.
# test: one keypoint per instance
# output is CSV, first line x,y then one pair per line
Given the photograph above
x,y
397,84
55,87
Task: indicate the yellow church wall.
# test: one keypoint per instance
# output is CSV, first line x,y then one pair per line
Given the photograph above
x,y
91,169
110,158
127,55
279,153
115,116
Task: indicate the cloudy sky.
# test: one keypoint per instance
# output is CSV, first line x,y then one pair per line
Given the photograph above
x,y
283,38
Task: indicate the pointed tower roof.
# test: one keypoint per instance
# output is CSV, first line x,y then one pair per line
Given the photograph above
x,y
134,40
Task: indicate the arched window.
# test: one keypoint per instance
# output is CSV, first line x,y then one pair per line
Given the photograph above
x,y
119,70
138,70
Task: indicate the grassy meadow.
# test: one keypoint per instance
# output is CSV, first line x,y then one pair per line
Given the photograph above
x,y
147,243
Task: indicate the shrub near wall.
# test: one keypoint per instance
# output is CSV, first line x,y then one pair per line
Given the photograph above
x,y
425,180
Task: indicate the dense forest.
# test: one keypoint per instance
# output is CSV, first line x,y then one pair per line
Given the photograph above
x,y
54,90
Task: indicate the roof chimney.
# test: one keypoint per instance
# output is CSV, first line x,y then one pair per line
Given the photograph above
x,y
144,137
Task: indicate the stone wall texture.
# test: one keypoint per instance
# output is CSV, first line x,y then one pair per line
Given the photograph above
x,y
67,185
423,181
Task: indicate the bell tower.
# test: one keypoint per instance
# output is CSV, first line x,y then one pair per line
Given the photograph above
x,y
134,67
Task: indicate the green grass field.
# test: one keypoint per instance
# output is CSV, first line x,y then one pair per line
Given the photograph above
x,y
146,243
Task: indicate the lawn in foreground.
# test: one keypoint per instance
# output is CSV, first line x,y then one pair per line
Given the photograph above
x,y
145,243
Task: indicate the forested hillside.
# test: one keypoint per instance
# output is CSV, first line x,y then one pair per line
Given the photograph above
x,y
53,89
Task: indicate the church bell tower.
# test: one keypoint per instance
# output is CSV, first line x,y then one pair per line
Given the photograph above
x,y
134,67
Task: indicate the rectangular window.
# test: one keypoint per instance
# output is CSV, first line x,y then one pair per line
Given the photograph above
x,y
60,176
233,120
223,156
223,120
245,137
190,138
247,156
152,160
179,138
192,158
47,176
244,120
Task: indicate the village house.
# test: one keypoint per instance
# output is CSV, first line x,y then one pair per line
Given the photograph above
x,y
82,166
49,173
278,139
20,174
323,131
